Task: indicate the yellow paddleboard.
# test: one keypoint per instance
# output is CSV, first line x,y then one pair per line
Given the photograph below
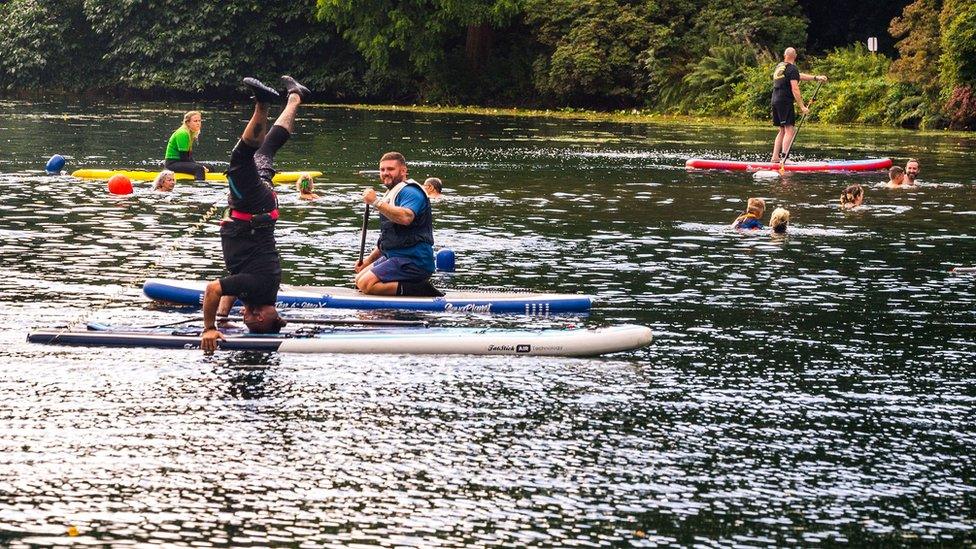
x,y
146,175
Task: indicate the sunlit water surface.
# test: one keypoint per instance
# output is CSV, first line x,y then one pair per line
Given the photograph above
x,y
813,388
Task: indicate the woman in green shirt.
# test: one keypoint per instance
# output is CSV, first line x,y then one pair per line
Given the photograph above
x,y
179,150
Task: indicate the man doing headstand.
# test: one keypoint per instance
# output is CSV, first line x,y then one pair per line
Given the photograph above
x,y
247,230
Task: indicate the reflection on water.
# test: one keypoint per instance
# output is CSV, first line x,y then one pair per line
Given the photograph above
x,y
817,387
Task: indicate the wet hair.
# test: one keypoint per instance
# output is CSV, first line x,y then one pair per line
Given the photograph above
x,y
915,160
756,206
850,195
895,171
434,182
158,182
779,220
393,155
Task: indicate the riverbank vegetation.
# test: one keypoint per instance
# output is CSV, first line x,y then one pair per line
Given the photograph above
x,y
697,57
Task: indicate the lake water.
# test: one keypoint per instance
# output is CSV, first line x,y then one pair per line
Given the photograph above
x,y
817,388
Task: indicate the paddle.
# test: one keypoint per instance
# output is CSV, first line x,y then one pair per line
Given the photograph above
x,y
786,153
313,321
362,241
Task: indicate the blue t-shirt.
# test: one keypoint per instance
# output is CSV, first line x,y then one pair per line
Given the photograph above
x,y
421,253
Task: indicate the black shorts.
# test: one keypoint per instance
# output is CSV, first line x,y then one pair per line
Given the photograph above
x,y
783,115
252,289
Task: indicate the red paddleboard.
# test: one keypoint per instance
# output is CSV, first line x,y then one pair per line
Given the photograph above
x,y
866,165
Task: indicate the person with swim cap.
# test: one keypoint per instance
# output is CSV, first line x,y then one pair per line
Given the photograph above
x,y
165,181
911,170
306,187
752,219
403,260
179,149
433,187
786,90
247,228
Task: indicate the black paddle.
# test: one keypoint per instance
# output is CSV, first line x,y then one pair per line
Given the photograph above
x,y
362,241
314,321
782,161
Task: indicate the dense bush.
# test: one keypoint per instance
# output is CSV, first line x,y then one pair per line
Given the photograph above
x,y
692,56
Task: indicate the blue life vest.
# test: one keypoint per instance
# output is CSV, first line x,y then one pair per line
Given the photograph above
x,y
394,236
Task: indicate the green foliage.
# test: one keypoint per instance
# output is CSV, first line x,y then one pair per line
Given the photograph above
x,y
958,61
594,47
697,56
758,24
712,81
751,95
47,43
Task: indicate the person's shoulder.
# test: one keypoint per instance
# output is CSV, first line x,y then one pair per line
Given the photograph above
x,y
412,192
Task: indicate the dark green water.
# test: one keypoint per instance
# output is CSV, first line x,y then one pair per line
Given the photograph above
x,y
806,390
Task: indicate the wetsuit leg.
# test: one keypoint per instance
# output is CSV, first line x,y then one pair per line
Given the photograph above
x,y
192,168
264,157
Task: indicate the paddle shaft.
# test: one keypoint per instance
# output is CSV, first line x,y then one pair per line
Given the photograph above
x,y
362,240
787,152
313,321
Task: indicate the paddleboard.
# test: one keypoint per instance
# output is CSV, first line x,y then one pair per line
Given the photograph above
x,y
419,340
190,292
146,175
867,165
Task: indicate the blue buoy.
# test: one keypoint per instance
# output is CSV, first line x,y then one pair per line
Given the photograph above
x,y
55,164
445,260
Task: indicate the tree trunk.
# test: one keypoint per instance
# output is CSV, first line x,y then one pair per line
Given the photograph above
x,y
477,46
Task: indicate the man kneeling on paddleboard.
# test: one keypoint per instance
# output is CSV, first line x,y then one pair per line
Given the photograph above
x,y
403,260
247,229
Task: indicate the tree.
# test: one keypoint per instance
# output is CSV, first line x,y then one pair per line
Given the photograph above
x,y
389,33
958,62
47,43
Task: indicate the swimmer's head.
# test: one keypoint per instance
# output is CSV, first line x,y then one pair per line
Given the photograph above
x,y
852,196
779,220
305,184
756,206
165,181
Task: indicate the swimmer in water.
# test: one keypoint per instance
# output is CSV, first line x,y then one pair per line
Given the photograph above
x,y
779,220
752,219
165,181
851,197
306,187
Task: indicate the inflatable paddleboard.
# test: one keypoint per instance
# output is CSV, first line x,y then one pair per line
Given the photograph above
x,y
419,340
146,175
190,292
867,165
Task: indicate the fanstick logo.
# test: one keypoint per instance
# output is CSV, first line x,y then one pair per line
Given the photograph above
x,y
522,348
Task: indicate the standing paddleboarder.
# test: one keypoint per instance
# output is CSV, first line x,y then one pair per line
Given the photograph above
x,y
247,230
786,90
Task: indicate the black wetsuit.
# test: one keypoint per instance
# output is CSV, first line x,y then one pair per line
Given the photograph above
x,y
247,231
